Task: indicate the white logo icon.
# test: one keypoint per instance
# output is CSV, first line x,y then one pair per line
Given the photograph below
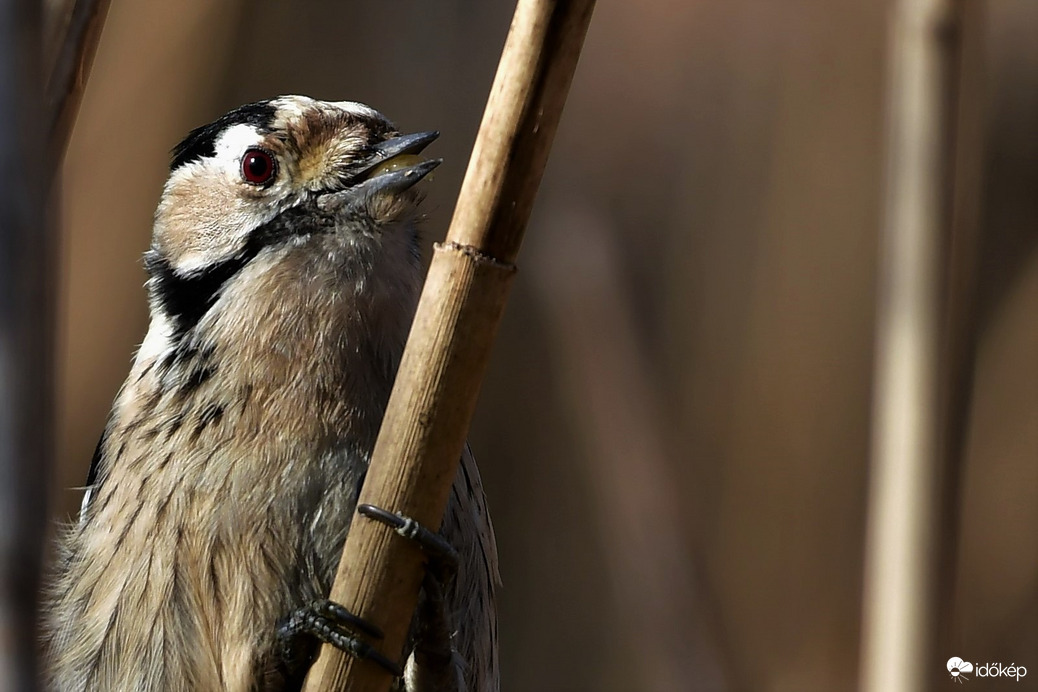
x,y
958,668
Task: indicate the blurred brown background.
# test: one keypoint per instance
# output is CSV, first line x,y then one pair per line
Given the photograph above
x,y
675,428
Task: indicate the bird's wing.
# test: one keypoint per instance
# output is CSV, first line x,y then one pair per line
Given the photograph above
x,y
472,600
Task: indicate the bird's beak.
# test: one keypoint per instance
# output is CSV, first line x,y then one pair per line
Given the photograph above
x,y
393,168
404,144
397,178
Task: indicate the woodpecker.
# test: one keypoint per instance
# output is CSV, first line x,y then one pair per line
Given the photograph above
x,y
284,273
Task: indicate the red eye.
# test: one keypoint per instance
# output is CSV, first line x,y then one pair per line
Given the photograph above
x,y
257,167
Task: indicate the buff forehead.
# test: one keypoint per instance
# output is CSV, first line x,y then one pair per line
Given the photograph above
x,y
324,137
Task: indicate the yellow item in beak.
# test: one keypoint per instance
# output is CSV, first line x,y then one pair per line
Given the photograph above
x,y
395,163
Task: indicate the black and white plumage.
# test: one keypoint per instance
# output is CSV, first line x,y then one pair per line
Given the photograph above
x,y
283,278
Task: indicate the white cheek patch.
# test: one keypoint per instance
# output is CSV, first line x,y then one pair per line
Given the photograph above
x,y
218,238
205,214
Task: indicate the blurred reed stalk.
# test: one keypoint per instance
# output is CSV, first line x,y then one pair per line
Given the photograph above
x,y
35,123
74,35
907,498
415,459
659,599
26,340
959,342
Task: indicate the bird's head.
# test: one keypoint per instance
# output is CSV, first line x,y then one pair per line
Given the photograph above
x,y
274,175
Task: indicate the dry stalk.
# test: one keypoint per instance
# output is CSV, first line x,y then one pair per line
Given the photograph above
x,y
68,77
904,507
416,456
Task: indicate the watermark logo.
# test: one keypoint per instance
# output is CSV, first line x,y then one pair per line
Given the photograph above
x,y
959,670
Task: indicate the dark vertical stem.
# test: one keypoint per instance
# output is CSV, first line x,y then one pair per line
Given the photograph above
x,y
966,142
26,329
66,83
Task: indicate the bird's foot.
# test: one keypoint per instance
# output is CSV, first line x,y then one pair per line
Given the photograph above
x,y
433,647
332,624
443,558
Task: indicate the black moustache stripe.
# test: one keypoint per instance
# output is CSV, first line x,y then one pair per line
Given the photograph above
x,y
186,298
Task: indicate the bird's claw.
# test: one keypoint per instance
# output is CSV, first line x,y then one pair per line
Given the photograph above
x,y
433,543
331,623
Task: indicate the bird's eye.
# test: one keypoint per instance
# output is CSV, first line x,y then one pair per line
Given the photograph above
x,y
257,167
